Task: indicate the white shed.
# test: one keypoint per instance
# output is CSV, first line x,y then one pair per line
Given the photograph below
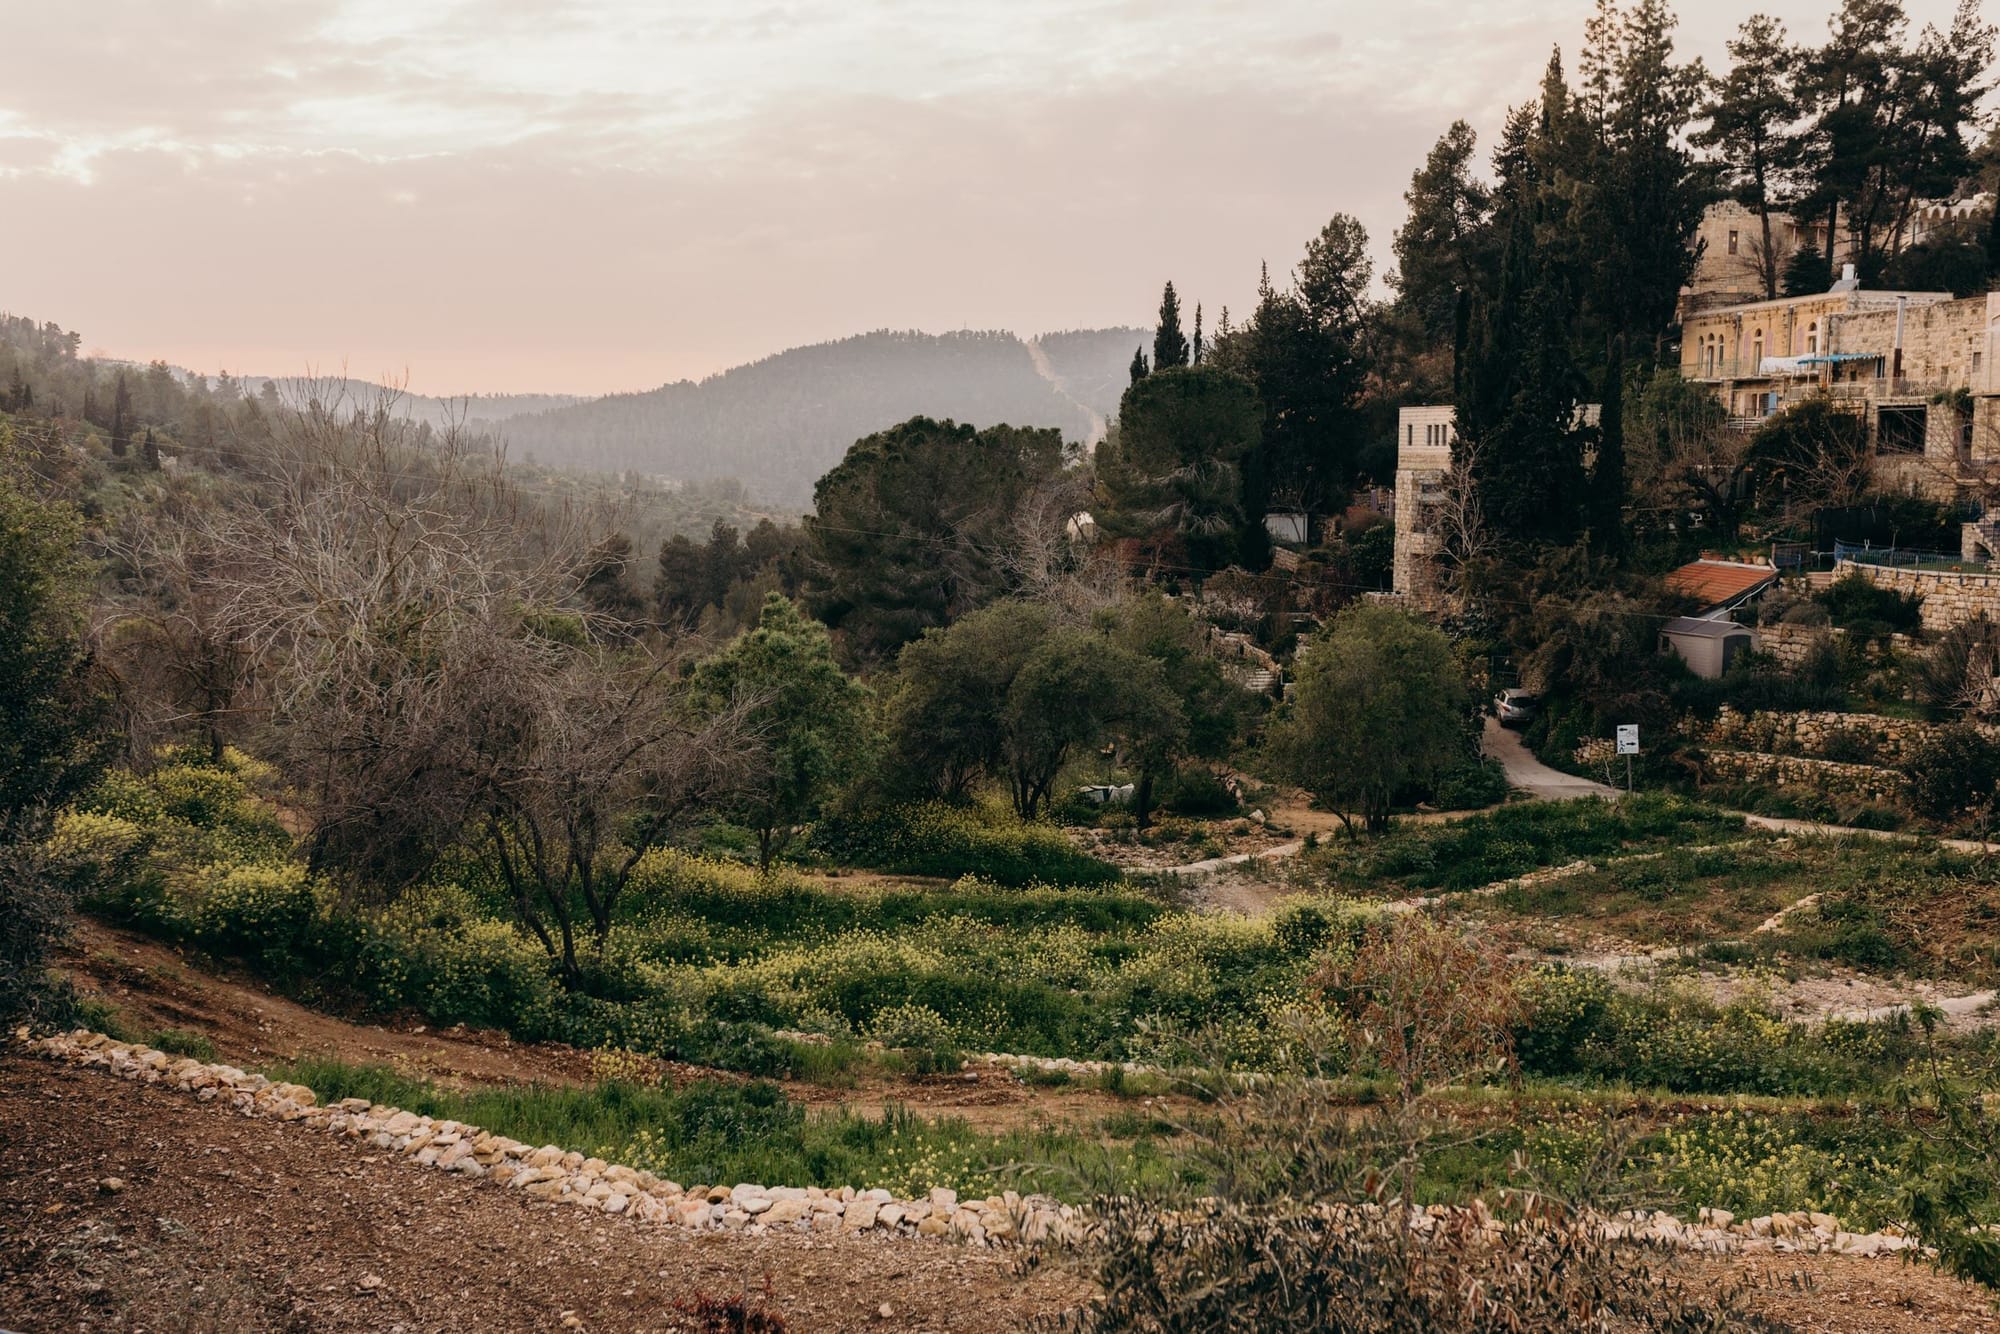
x,y
1707,647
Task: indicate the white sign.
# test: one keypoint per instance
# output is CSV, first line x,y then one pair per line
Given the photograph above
x,y
1628,739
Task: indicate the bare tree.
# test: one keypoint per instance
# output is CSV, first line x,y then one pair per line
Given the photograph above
x,y
182,663
580,771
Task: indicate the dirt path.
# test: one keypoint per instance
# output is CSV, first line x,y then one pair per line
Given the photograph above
x,y
228,1223
1530,775
1811,829
153,986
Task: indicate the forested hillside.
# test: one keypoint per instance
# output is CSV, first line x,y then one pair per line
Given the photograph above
x,y
779,423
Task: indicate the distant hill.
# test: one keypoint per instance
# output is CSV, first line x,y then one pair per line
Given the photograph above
x,y
778,424
468,409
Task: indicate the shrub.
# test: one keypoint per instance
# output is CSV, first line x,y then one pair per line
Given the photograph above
x,y
38,889
1868,611
1362,1268
943,840
1955,772
1471,787
1199,792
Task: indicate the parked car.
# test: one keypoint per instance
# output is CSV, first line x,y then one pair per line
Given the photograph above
x,y
1516,707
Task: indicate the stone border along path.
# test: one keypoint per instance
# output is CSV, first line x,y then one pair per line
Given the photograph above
x,y
550,1173
567,1177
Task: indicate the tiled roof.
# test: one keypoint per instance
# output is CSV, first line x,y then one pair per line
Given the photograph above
x,y
1718,583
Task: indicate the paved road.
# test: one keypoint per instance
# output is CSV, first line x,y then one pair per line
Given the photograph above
x,y
1530,774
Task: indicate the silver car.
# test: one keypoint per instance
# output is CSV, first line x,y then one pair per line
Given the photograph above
x,y
1516,707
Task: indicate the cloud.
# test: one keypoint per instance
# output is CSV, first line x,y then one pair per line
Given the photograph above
x,y
589,196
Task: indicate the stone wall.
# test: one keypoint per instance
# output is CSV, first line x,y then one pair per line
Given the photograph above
x,y
1790,644
568,1177
1863,781
1845,736
1950,597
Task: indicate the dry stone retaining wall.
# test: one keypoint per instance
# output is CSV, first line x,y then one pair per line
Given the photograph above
x,y
551,1173
1950,597
1814,735
1864,781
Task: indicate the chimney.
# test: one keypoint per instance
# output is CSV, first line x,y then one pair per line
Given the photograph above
x,y
1847,273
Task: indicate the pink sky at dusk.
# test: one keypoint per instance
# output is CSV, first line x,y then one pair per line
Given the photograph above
x,y
593,195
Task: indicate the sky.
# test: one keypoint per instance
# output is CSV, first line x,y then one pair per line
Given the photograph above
x,y
586,196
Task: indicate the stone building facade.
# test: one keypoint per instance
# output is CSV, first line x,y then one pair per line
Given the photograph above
x,y
1916,366
1731,265
1424,438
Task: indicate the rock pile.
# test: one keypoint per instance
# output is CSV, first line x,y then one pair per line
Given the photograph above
x,y
564,1176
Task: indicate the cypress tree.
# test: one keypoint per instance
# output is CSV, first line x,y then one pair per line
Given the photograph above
x,y
1170,345
1607,476
1197,333
150,451
121,407
1138,364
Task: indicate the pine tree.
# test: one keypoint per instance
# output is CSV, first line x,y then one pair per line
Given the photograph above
x,y
1170,345
1138,364
1747,127
1438,250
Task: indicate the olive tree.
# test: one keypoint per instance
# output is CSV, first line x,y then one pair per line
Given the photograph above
x,y
807,722
1381,705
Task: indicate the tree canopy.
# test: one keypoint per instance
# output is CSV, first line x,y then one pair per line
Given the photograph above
x,y
1381,705
919,525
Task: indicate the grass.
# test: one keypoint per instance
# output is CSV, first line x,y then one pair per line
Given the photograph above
x,y
1885,907
716,1132
1469,854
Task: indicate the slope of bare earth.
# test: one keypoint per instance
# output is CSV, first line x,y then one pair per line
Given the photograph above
x,y
229,1223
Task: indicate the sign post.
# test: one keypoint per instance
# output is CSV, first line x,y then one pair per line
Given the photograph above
x,y
1628,746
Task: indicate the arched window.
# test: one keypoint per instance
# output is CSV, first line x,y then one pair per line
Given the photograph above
x,y
1812,339
1757,351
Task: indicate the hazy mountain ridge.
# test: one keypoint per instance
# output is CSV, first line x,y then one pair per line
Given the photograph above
x,y
781,422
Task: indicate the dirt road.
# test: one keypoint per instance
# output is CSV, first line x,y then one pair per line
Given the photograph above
x,y
1530,775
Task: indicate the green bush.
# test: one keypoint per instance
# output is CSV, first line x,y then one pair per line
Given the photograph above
x,y
934,838
1471,787
1954,773
1578,1024
1197,793
1867,611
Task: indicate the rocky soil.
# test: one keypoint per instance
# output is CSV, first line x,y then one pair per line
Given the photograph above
x,y
129,1206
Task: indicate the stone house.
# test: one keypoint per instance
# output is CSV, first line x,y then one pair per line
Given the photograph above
x,y
1730,263
1424,439
1916,366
